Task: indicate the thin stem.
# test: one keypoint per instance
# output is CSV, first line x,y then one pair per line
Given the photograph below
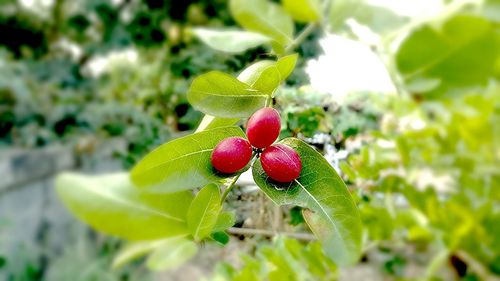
x,y
229,187
269,101
301,37
235,178
309,28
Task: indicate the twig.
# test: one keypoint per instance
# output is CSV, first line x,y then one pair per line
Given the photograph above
x,y
476,266
301,37
229,187
270,233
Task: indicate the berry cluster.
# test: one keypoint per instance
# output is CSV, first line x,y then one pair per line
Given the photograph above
x,y
280,162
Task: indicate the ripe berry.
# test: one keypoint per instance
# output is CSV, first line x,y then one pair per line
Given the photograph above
x,y
263,127
231,155
281,163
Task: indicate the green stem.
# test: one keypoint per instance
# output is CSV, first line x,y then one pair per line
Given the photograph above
x,y
389,204
438,260
269,101
229,187
235,179
301,37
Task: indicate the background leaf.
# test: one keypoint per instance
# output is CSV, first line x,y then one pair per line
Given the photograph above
x,y
230,41
378,18
303,10
460,53
135,250
222,95
111,204
203,212
264,17
183,163
333,216
172,254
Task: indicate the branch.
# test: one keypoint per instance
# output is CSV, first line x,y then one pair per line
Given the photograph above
x,y
301,37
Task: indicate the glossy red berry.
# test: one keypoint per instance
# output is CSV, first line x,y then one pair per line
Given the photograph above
x,y
263,127
231,155
281,163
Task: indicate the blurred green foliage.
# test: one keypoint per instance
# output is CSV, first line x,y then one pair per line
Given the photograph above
x,y
49,93
423,164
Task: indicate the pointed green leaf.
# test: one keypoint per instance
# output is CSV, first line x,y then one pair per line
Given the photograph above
x,y
264,17
183,163
286,65
222,95
111,204
333,217
210,122
225,220
303,10
265,76
253,72
231,41
172,254
268,81
203,212
250,74
135,250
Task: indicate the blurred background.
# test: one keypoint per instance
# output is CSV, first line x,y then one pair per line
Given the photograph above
x,y
402,98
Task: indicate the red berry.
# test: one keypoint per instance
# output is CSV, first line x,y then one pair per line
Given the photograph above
x,y
231,155
263,127
281,163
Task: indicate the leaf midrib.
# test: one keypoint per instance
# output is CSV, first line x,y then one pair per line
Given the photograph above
x,y
453,50
202,216
231,95
322,209
173,159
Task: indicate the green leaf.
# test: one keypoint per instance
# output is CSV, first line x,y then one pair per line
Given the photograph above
x,y
379,19
296,217
268,80
266,75
286,65
203,212
250,74
333,216
231,41
183,163
264,17
172,254
220,237
222,95
210,122
111,204
303,10
460,53
225,220
135,250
